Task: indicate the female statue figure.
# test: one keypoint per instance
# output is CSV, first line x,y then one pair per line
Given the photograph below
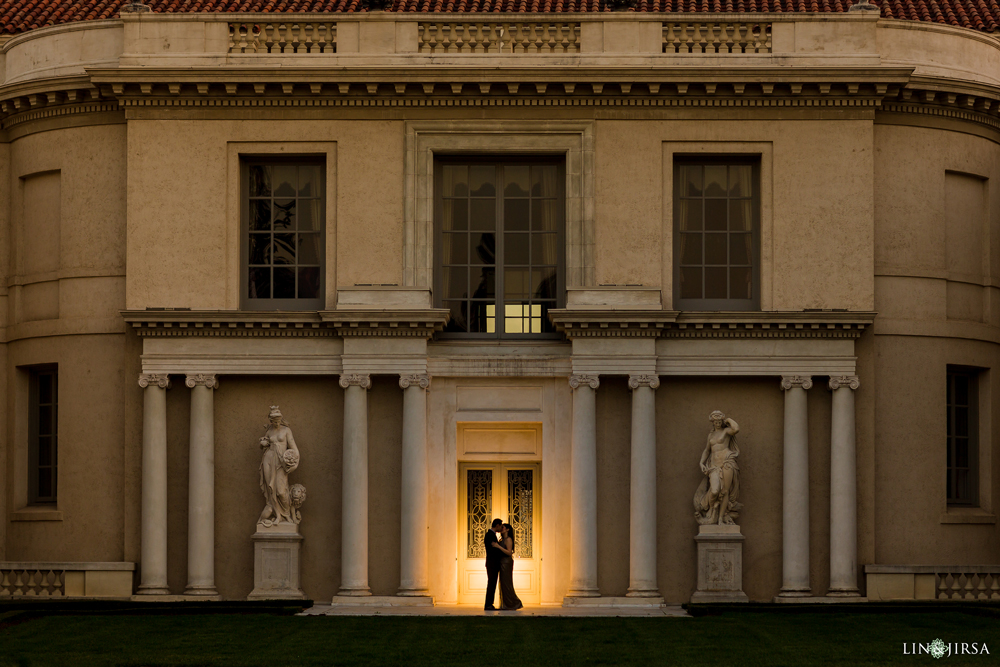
x,y
715,501
281,457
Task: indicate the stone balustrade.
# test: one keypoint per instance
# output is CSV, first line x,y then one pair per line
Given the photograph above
x,y
493,36
58,580
956,583
721,37
286,36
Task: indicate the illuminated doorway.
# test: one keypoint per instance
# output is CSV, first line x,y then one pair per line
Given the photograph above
x,y
509,492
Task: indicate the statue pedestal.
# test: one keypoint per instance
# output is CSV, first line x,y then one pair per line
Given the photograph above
x,y
720,565
276,571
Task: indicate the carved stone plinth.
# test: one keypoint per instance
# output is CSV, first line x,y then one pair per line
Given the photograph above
x,y
276,569
720,564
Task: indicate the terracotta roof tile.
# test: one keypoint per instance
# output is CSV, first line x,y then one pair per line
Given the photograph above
x,y
17,16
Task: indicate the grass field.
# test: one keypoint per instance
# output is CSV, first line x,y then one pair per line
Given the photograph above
x,y
725,638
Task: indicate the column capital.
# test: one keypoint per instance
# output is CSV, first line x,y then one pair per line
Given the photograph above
x,y
161,380
204,379
636,381
421,380
848,381
593,381
789,381
363,380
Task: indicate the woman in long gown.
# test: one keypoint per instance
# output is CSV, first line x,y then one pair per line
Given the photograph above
x,y
508,598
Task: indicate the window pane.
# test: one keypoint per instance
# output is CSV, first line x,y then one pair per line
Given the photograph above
x,y
45,483
458,310
455,248
690,215
715,248
515,249
455,180
283,214
309,282
740,283
485,251
514,319
543,285
716,181
516,283
455,216
482,317
961,453
740,219
544,248
260,248
309,185
962,490
479,496
310,214
309,250
44,388
44,420
543,181
483,214
283,249
739,249
284,283
544,215
484,283
260,180
515,181
259,285
482,180
285,180
961,390
691,283
456,283
691,248
716,283
715,215
691,180
739,180
260,214
515,214
520,510
44,451
962,422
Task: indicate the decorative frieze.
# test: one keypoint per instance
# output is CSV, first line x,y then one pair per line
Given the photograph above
x,y
802,381
636,381
363,380
592,381
849,381
161,380
422,381
201,379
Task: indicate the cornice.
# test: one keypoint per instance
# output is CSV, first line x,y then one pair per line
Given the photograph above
x,y
673,324
181,323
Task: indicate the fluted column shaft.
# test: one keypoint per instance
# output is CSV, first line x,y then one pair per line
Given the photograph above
x,y
583,488
795,495
843,489
153,560
642,501
201,487
354,541
413,513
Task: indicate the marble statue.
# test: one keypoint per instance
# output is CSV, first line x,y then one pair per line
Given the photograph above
x,y
716,500
280,458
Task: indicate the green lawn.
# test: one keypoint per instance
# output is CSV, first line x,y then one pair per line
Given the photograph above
x,y
751,636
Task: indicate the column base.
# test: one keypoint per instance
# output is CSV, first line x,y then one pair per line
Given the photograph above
x,y
153,590
354,592
794,593
175,598
643,593
583,593
844,593
201,592
413,593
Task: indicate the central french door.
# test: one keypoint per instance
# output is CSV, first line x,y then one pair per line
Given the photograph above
x,y
509,492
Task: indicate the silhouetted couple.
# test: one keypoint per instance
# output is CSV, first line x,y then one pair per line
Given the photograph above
x,y
500,563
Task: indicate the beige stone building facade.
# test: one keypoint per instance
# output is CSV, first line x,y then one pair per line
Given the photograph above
x,y
502,265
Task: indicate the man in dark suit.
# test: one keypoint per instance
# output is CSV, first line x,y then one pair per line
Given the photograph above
x,y
493,558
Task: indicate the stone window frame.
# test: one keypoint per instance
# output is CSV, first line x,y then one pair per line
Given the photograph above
x,y
763,151
974,377
236,152
34,424
574,140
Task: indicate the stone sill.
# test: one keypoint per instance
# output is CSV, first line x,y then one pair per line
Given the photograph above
x,y
36,514
968,515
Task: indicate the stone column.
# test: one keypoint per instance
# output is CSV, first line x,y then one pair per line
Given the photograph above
x,y
201,487
795,496
413,514
583,489
153,560
354,541
642,501
843,490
